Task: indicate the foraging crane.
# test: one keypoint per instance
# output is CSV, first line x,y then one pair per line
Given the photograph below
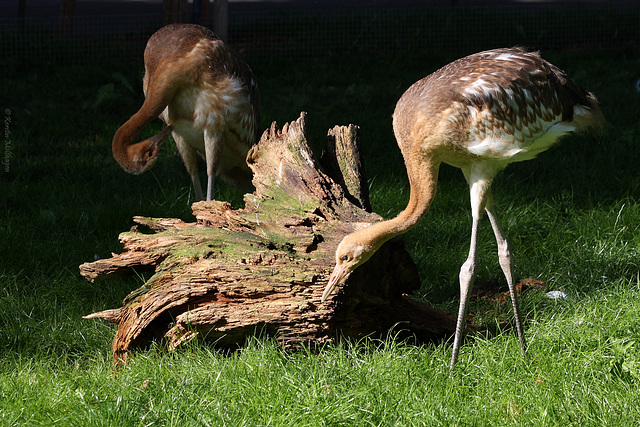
x,y
208,98
479,114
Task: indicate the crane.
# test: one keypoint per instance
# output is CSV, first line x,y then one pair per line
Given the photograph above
x,y
208,98
478,113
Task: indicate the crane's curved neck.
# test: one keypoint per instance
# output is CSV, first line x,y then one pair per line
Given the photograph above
x,y
122,145
423,179
129,130
124,150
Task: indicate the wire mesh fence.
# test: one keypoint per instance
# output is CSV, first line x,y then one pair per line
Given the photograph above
x,y
441,28
121,35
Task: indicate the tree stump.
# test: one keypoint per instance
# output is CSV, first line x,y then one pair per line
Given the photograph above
x,y
262,269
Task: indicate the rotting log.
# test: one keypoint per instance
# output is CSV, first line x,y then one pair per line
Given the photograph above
x,y
262,269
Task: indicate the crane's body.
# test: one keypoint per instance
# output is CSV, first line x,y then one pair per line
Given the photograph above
x,y
208,98
499,107
479,114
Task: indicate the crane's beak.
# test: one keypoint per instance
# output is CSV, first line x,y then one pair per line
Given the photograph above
x,y
161,137
339,272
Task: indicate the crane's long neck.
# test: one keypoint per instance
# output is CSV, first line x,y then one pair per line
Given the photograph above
x,y
129,130
423,179
124,151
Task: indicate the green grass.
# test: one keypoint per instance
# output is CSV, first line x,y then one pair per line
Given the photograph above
x,y
583,368
573,217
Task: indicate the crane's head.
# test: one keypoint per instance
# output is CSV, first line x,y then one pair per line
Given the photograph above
x,y
141,157
354,250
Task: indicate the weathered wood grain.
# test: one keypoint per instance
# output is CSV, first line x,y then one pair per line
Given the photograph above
x,y
262,269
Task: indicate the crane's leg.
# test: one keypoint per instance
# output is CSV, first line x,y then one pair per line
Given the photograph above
x,y
479,188
505,258
467,277
190,158
213,150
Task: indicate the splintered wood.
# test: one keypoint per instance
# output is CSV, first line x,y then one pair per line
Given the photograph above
x,y
261,270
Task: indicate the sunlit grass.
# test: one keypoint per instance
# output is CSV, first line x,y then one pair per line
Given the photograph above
x,y
572,215
582,366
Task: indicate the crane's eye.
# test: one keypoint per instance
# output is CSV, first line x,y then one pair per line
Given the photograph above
x,y
344,257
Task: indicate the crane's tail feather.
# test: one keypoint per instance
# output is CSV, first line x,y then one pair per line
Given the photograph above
x,y
588,117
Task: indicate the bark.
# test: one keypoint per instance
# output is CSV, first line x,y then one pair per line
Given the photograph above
x,y
262,269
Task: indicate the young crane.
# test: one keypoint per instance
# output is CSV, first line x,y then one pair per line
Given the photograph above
x,y
479,114
208,98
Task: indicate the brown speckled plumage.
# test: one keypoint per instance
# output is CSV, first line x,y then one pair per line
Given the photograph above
x,y
207,96
478,113
519,101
